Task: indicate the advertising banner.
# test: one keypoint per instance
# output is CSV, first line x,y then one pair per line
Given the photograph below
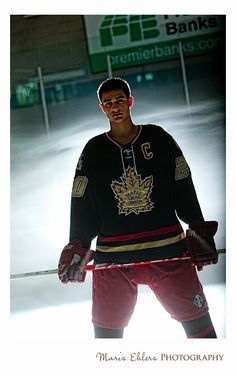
x,y
143,39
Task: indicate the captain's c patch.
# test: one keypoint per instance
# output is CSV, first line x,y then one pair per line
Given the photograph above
x,y
146,149
79,186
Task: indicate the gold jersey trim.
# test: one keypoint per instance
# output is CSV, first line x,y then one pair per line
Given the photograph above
x,y
145,245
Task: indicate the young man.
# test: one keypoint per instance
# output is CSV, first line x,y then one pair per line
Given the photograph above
x,y
131,186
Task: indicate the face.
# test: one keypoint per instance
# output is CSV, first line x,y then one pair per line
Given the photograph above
x,y
116,105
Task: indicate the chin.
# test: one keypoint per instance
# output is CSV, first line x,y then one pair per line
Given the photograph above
x,y
117,120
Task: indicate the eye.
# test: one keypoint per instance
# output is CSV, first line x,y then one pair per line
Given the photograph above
x,y
120,100
107,105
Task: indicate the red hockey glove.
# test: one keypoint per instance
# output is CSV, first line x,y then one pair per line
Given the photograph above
x,y
201,244
73,256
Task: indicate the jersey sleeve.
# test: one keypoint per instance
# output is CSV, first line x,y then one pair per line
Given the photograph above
x,y
185,198
84,223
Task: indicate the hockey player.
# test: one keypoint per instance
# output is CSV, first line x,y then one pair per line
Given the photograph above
x,y
132,185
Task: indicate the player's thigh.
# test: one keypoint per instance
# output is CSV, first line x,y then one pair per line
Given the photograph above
x,y
177,287
114,298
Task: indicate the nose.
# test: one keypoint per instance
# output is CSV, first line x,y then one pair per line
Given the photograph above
x,y
115,106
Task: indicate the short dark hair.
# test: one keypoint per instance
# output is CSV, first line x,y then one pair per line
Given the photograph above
x,y
113,84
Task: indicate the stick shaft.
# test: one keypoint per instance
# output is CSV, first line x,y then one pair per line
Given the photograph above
x,y
104,266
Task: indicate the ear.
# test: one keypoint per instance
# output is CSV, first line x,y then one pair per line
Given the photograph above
x,y
101,107
131,101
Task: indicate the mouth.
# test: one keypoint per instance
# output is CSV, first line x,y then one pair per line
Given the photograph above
x,y
116,115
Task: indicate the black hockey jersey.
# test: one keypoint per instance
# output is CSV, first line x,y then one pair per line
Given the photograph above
x,y
131,196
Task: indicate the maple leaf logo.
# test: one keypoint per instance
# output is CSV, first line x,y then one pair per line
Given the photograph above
x,y
133,193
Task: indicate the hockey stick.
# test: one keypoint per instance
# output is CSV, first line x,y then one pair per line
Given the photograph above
x,y
103,266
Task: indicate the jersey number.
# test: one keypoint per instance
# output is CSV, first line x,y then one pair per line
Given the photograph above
x,y
181,168
79,186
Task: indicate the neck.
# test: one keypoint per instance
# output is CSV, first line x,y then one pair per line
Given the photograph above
x,y
123,133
